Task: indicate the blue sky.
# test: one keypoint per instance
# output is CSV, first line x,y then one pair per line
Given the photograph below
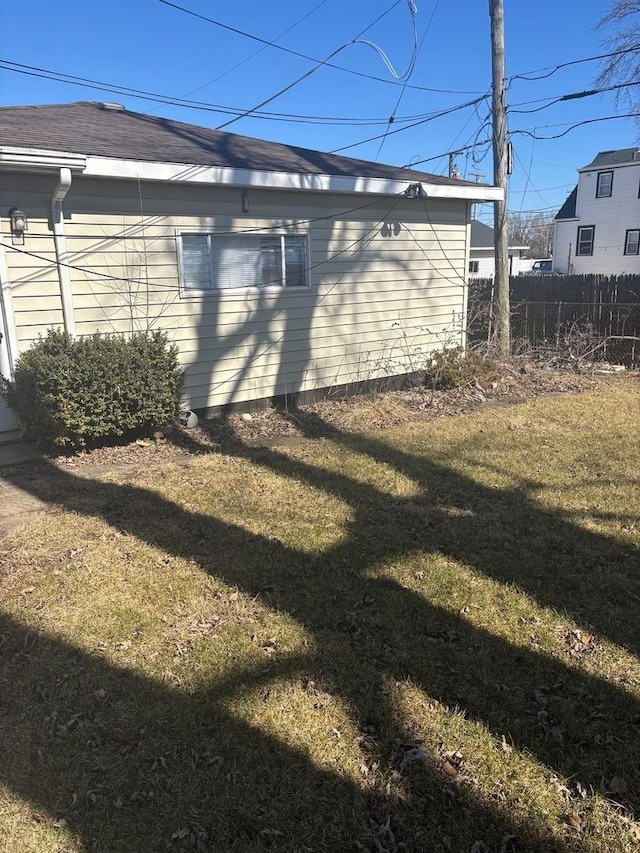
x,y
147,45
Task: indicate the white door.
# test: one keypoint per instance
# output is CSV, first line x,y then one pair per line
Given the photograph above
x,y
8,421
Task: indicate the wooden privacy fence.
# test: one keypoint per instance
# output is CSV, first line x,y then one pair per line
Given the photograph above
x,y
597,315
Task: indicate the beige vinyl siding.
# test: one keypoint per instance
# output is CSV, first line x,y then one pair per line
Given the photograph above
x,y
386,282
32,279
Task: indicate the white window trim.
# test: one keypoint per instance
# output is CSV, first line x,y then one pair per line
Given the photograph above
x,y
193,292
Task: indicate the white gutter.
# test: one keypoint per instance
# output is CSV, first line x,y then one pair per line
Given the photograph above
x,y
15,158
182,173
9,342
60,242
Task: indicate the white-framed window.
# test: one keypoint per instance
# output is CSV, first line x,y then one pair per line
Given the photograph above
x,y
210,262
584,243
632,241
474,267
604,186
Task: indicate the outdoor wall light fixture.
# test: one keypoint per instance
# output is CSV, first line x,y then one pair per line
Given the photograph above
x,y
19,224
245,201
415,191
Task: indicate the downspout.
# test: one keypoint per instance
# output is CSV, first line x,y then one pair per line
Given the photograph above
x,y
465,278
60,242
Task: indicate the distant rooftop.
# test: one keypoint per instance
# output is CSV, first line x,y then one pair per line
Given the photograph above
x,y
568,209
482,236
614,158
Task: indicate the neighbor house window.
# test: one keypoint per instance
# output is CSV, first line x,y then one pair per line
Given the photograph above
x,y
605,184
584,245
236,261
632,241
474,266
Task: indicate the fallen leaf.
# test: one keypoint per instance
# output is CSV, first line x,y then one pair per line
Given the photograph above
x,y
449,769
573,819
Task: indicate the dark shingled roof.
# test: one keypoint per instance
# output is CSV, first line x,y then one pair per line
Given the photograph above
x,y
614,158
568,209
94,129
482,236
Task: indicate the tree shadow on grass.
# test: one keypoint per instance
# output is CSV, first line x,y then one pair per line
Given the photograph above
x,y
257,786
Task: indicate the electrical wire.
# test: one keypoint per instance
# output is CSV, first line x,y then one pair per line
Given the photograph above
x,y
428,118
357,40
573,96
255,53
272,44
553,68
573,126
88,83
392,117
123,235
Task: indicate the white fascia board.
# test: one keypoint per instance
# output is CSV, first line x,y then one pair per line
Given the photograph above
x,y
108,167
610,167
39,159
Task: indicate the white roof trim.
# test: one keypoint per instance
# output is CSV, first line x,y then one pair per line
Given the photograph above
x,y
111,167
610,166
40,159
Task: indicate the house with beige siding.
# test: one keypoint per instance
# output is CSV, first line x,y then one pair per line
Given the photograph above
x,y
597,229
276,270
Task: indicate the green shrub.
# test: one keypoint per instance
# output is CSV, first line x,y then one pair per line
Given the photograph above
x,y
77,393
455,368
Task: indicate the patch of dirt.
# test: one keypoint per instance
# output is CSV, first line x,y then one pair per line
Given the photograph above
x,y
358,414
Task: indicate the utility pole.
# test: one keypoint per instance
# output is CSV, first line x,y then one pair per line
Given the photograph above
x,y
500,170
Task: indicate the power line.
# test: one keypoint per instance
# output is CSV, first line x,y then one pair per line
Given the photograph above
x,y
446,153
573,126
272,44
357,40
113,88
256,52
392,117
122,236
553,68
574,96
430,117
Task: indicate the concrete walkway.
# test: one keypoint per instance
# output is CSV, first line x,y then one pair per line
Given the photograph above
x,y
17,505
15,454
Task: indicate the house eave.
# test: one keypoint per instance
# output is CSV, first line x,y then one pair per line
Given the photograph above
x,y
15,158
110,167
609,166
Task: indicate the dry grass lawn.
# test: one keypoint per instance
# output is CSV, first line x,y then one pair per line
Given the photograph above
x,y
424,639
